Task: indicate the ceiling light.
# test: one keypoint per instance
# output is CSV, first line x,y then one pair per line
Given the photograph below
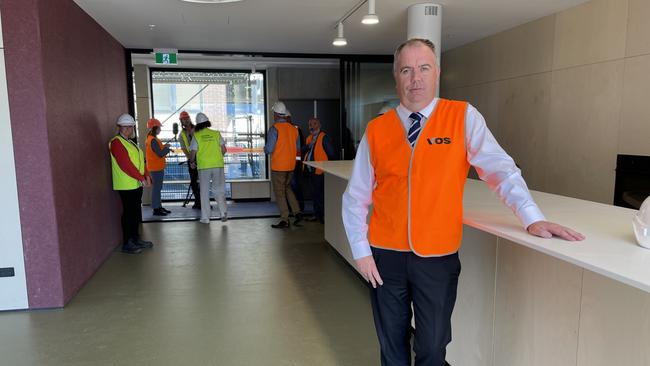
x,y
211,1
371,17
340,40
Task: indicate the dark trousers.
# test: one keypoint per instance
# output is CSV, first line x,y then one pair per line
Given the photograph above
x,y
318,194
431,285
296,186
194,183
131,213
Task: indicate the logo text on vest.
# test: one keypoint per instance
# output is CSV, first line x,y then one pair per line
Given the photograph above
x,y
439,140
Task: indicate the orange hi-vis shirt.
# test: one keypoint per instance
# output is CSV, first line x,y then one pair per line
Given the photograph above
x,y
283,158
319,151
418,196
154,162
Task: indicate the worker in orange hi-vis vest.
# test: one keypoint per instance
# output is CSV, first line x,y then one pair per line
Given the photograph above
x,y
156,153
411,165
283,143
317,148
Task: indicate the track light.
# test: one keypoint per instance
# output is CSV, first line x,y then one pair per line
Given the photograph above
x,y
371,17
340,39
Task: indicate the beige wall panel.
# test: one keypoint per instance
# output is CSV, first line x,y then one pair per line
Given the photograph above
x,y
638,28
583,131
473,316
537,308
466,65
453,69
614,323
591,32
524,105
634,133
524,50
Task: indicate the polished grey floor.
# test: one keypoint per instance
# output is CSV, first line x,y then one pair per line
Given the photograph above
x,y
238,293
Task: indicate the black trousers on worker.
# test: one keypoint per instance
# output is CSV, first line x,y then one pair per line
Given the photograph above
x,y
131,213
318,194
431,285
194,184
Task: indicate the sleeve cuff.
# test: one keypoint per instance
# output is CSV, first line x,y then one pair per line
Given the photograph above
x,y
530,215
360,250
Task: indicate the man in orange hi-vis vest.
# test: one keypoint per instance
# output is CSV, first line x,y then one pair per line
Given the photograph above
x,y
283,144
411,165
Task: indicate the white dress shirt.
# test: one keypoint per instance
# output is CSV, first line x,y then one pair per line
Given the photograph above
x,y
493,164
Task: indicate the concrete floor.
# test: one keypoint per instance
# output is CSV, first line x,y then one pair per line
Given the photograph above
x,y
238,293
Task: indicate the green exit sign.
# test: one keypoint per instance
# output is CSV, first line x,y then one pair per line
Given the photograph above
x,y
166,57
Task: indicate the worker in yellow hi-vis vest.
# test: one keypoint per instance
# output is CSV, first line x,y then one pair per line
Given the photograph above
x,y
207,150
186,137
129,176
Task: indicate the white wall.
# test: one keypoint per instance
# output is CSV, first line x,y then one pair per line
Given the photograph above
x,y
13,290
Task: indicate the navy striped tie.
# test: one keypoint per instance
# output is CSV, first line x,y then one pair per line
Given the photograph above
x,y
415,128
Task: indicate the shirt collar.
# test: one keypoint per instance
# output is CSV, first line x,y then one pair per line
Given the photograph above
x,y
426,111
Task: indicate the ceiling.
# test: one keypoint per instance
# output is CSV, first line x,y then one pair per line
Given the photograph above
x,y
301,26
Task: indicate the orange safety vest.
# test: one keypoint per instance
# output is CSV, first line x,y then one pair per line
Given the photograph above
x,y
319,151
154,162
418,197
283,158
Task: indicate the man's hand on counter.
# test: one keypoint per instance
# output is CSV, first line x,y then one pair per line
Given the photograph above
x,y
545,229
368,269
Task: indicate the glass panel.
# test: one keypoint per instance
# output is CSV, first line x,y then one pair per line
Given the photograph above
x,y
234,103
369,87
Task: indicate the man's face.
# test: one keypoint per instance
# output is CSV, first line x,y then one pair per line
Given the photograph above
x,y
126,131
314,124
416,76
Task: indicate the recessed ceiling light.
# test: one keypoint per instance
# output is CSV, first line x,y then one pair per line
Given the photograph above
x,y
211,1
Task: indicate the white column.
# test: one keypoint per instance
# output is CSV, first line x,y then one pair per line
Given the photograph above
x,y
142,111
425,21
13,288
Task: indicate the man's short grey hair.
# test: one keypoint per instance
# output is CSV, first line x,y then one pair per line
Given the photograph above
x,y
411,42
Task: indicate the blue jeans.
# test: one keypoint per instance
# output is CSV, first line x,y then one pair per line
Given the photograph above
x,y
157,178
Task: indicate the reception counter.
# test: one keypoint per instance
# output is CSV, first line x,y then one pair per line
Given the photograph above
x,y
524,300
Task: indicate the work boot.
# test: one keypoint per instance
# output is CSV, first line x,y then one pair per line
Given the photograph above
x,y
165,210
281,225
159,212
144,244
130,247
299,217
224,217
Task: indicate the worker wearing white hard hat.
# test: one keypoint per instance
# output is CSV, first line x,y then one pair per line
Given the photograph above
x,y
129,176
283,144
207,151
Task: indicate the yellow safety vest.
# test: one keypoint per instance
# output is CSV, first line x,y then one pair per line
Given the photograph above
x,y
185,140
121,180
209,153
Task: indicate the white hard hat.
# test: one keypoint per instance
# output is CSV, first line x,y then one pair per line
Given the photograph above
x,y
201,117
288,113
280,108
125,120
384,109
641,224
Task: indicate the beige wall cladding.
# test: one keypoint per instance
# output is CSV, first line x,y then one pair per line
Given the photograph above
x,y
537,308
524,105
638,28
583,131
524,50
634,136
466,65
474,312
589,33
610,313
